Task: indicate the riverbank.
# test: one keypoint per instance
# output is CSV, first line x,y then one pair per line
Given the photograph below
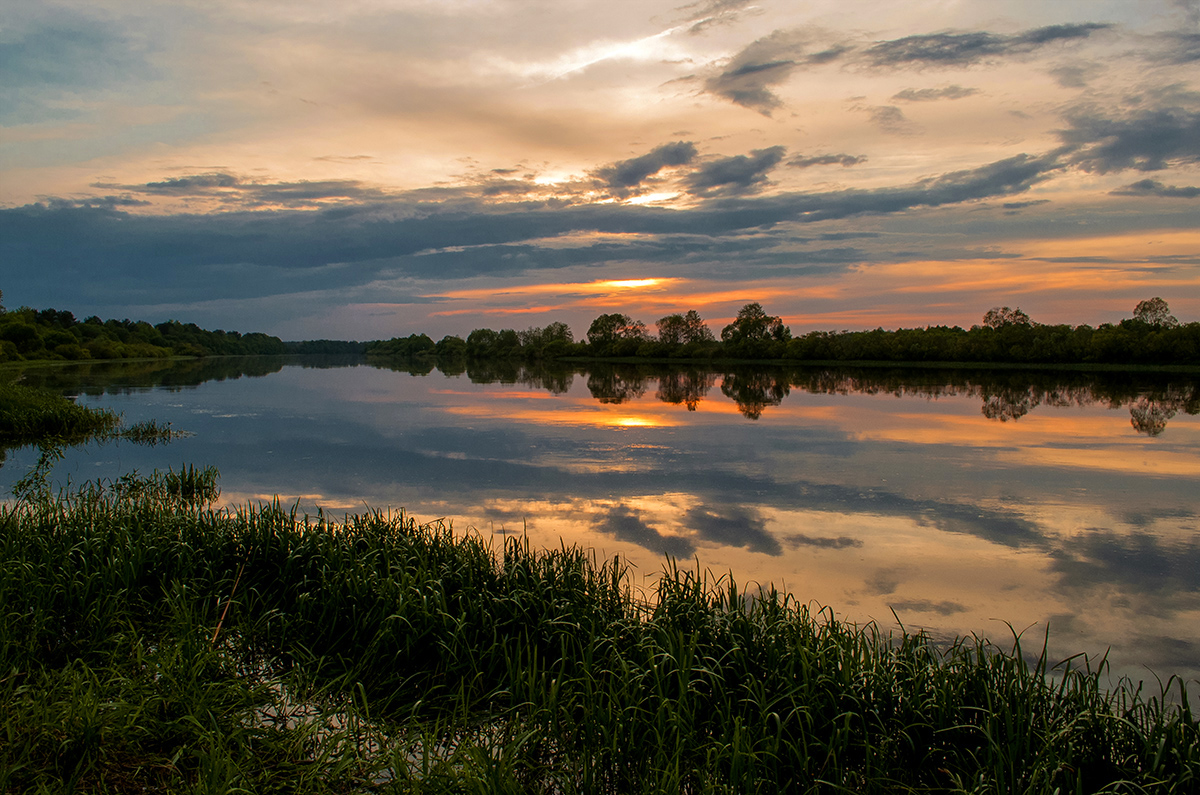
x,y
150,643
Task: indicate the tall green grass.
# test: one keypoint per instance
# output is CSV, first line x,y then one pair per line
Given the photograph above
x,y
151,644
33,415
36,416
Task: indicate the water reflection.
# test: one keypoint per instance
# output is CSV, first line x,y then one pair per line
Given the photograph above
x,y
959,499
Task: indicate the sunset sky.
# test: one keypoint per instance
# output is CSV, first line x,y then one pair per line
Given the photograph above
x,y
374,168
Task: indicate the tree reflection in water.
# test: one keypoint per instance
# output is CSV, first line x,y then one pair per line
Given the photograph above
x,y
1152,398
1150,417
612,385
685,387
755,390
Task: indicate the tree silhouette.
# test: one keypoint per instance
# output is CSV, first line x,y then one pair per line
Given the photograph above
x,y
1001,316
683,329
616,334
1155,312
753,324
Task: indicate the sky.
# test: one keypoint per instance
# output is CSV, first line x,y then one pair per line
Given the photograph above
x,y
376,168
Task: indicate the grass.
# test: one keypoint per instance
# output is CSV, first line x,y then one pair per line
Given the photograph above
x,y
151,644
30,416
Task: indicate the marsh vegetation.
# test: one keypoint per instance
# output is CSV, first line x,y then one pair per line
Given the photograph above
x,y
150,644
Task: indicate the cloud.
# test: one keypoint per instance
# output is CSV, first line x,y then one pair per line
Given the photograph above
x,y
625,524
192,184
966,49
707,13
734,527
751,74
884,582
826,160
1150,187
107,255
1143,139
52,56
1076,75
1138,564
892,120
821,542
1191,10
627,174
1178,48
231,189
926,606
732,176
933,94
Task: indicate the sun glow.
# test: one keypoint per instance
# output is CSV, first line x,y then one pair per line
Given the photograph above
x,y
630,284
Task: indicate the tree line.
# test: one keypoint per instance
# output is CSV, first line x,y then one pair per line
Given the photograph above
x,y
1152,336
48,334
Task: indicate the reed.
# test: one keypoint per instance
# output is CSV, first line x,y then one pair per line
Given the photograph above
x,y
33,415
149,643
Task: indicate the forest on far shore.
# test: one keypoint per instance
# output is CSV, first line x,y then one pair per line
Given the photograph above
x,y
1152,336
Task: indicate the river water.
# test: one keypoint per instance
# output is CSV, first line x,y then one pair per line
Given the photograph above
x,y
956,501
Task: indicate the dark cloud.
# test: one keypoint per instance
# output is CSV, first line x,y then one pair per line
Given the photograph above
x,y
193,184
1023,205
1178,48
821,542
97,202
884,582
102,254
934,94
826,160
1076,75
926,606
734,527
891,119
732,176
1150,187
234,190
1144,139
749,77
628,174
625,524
1138,564
965,49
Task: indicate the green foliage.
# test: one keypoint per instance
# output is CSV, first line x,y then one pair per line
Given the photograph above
x,y
1007,336
616,334
150,643
1001,316
414,345
49,334
1155,312
28,416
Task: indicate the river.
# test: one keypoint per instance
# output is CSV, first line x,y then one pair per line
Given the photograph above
x,y
955,501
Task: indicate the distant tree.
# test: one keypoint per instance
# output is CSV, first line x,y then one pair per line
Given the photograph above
x,y
683,329
608,332
1000,316
450,346
1155,312
753,324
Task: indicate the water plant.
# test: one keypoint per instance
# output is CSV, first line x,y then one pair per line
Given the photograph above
x,y
151,643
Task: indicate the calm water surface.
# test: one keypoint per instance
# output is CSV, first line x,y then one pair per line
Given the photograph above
x,y
959,502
